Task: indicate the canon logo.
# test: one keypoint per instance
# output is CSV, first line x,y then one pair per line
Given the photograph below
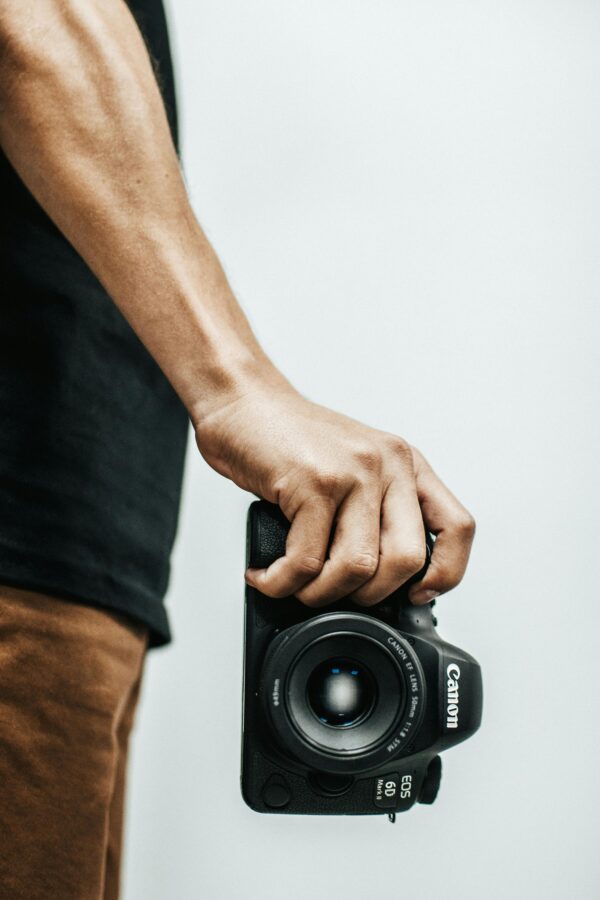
x,y
453,675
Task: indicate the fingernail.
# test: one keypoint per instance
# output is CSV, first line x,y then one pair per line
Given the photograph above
x,y
419,598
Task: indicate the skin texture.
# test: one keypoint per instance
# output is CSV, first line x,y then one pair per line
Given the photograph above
x,y
82,121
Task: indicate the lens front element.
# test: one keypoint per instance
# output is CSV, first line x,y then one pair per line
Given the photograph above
x,y
341,693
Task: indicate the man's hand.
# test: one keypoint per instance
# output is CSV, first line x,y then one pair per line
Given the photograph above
x,y
326,470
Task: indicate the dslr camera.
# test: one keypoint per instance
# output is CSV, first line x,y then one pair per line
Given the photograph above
x,y
346,711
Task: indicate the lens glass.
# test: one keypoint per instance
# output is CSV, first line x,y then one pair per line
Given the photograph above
x,y
341,692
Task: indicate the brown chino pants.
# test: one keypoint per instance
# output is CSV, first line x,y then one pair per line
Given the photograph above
x,y
69,683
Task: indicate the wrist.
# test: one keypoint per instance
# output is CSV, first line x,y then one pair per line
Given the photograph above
x,y
230,377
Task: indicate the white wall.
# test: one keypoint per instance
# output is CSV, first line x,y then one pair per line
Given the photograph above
x,y
406,197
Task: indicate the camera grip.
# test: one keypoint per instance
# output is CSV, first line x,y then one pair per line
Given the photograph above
x,y
267,533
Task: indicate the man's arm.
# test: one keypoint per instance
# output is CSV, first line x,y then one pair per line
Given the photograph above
x,y
82,121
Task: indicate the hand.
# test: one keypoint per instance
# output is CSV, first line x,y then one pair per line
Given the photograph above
x,y
328,471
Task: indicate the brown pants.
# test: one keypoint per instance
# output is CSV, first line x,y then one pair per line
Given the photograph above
x,y
69,682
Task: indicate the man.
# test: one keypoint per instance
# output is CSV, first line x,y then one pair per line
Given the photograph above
x,y
117,324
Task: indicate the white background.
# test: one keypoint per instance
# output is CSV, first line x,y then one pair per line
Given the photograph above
x,y
406,197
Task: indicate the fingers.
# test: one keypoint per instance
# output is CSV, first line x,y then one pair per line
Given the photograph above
x,y
402,545
354,554
454,528
305,551
379,539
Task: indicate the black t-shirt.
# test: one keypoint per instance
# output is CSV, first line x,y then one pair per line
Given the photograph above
x,y
92,436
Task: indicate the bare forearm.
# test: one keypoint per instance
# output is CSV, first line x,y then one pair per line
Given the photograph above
x,y
83,123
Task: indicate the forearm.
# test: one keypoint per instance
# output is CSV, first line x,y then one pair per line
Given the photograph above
x,y
83,123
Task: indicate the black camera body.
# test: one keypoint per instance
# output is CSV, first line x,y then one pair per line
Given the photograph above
x,y
346,709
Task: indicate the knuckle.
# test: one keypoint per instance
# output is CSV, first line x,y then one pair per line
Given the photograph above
x,y
276,593
446,575
448,579
399,447
465,525
361,565
367,458
409,561
326,483
307,565
281,487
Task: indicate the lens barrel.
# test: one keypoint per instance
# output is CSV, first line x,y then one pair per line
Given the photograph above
x,y
343,692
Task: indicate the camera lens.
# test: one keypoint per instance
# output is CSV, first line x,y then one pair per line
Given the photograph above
x,y
341,692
